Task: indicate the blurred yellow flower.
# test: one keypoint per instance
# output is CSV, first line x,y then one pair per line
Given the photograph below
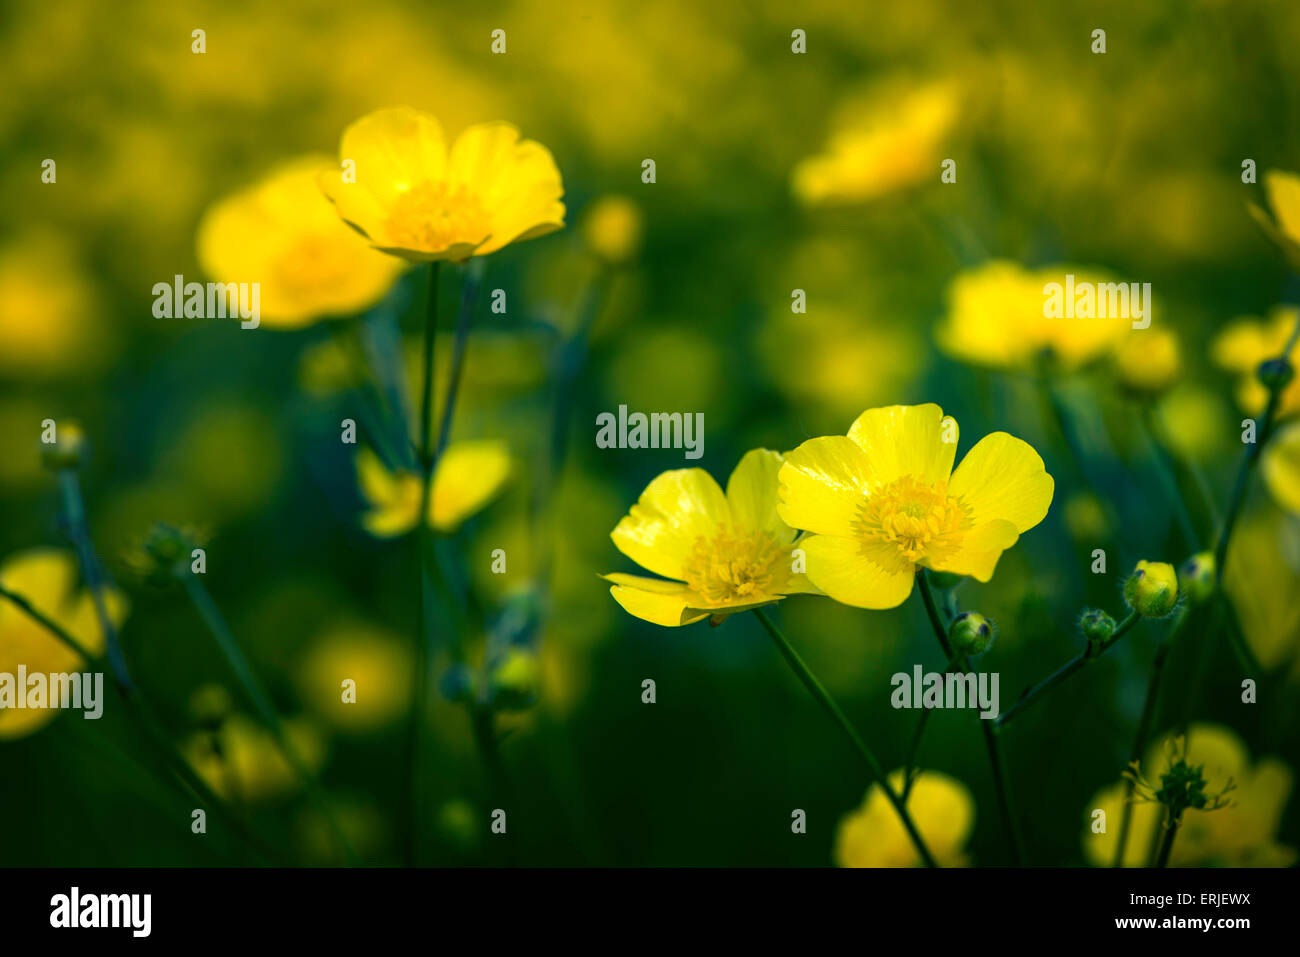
x,y
1263,580
241,761
873,835
1147,361
1243,834
996,318
612,229
48,324
884,500
878,146
376,663
1245,343
413,198
49,579
282,233
469,475
1283,190
727,552
1280,466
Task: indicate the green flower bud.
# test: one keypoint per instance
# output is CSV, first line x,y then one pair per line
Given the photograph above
x,y
164,555
1152,589
1197,577
970,633
1275,374
514,680
1097,627
68,449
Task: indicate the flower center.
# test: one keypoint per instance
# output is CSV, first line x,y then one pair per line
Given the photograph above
x,y
432,216
734,567
907,520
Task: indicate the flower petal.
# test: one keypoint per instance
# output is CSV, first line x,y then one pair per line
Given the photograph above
x,y
837,567
1003,477
655,601
981,547
822,484
907,440
676,509
753,494
516,180
469,475
1283,190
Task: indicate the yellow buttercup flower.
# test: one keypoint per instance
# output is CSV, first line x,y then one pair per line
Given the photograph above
x,y
1245,343
416,199
873,835
1283,190
1242,834
879,146
47,578
283,234
726,552
1280,466
1262,580
1147,361
884,500
468,476
241,761
377,664
996,318
612,229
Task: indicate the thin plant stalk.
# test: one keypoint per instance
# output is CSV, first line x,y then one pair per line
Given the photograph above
x,y
826,701
74,511
987,727
1070,667
1144,727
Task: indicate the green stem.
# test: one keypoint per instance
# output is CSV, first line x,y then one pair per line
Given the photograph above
x,y
1240,486
913,751
239,664
421,682
826,701
1067,669
1167,841
1144,727
75,514
987,727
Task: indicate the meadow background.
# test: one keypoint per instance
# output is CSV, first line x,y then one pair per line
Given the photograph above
x,y
1128,161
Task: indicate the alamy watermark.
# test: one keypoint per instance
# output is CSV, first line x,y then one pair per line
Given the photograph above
x,y
1104,300
923,689
59,689
658,430
215,300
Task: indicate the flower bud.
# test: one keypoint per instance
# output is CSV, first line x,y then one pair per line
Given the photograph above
x,y
1152,589
1097,627
1196,577
67,450
970,633
514,680
1275,374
